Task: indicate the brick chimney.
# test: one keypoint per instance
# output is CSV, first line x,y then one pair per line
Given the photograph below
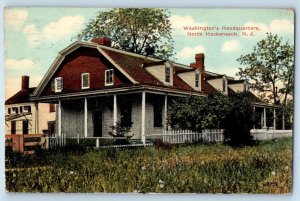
x,y
25,82
199,64
102,41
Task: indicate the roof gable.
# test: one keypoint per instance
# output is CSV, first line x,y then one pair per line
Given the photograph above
x,y
60,58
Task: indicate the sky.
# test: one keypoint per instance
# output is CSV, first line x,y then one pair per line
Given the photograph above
x,y
34,36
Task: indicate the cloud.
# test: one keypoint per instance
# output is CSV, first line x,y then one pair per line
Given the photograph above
x,y
231,46
20,64
189,52
34,36
178,22
277,26
64,27
15,17
54,31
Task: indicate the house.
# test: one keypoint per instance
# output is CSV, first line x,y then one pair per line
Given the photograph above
x,y
95,86
23,116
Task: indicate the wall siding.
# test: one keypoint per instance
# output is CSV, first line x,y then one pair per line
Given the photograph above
x,y
73,115
84,60
239,87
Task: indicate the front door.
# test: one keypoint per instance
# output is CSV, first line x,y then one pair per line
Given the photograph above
x,y
25,127
97,122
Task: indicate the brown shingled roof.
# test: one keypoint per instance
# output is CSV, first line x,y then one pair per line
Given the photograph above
x,y
21,96
133,66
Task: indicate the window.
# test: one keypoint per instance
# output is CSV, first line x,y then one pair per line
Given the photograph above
x,y
15,110
27,108
21,109
13,127
51,107
109,77
197,76
9,110
85,80
167,74
53,85
126,109
58,84
157,110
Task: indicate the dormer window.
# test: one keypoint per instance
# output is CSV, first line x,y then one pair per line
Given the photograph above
x,y
109,77
197,79
58,84
167,74
85,80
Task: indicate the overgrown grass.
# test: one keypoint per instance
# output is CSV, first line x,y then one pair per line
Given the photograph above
x,y
265,168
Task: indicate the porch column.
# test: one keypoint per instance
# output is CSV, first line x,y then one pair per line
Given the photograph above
x,y
59,118
143,136
85,118
36,118
283,121
166,112
265,118
274,113
254,117
115,112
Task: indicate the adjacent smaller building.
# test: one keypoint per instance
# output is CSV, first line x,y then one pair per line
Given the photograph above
x,y
23,116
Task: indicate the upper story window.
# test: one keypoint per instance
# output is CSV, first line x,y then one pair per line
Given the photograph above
x,y
9,111
15,110
85,80
27,108
21,109
197,78
58,84
167,74
109,77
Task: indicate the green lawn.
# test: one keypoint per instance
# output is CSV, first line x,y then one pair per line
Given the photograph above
x,y
217,168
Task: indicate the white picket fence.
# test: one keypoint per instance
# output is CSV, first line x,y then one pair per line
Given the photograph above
x,y
188,136
94,142
173,137
264,134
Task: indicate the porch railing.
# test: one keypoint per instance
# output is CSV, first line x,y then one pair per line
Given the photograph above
x,y
264,134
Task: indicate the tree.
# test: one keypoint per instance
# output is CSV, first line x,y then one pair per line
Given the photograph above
x,y
233,113
239,120
144,31
270,66
198,113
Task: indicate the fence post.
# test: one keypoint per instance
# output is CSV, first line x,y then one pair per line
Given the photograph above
x,y
47,141
97,143
77,138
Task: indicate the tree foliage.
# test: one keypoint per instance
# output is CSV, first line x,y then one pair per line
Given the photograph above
x,y
268,67
144,31
233,113
239,120
198,113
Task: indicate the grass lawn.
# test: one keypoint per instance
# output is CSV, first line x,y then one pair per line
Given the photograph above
x,y
217,168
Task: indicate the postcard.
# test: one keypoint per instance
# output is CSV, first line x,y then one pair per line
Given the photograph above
x,y
149,100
